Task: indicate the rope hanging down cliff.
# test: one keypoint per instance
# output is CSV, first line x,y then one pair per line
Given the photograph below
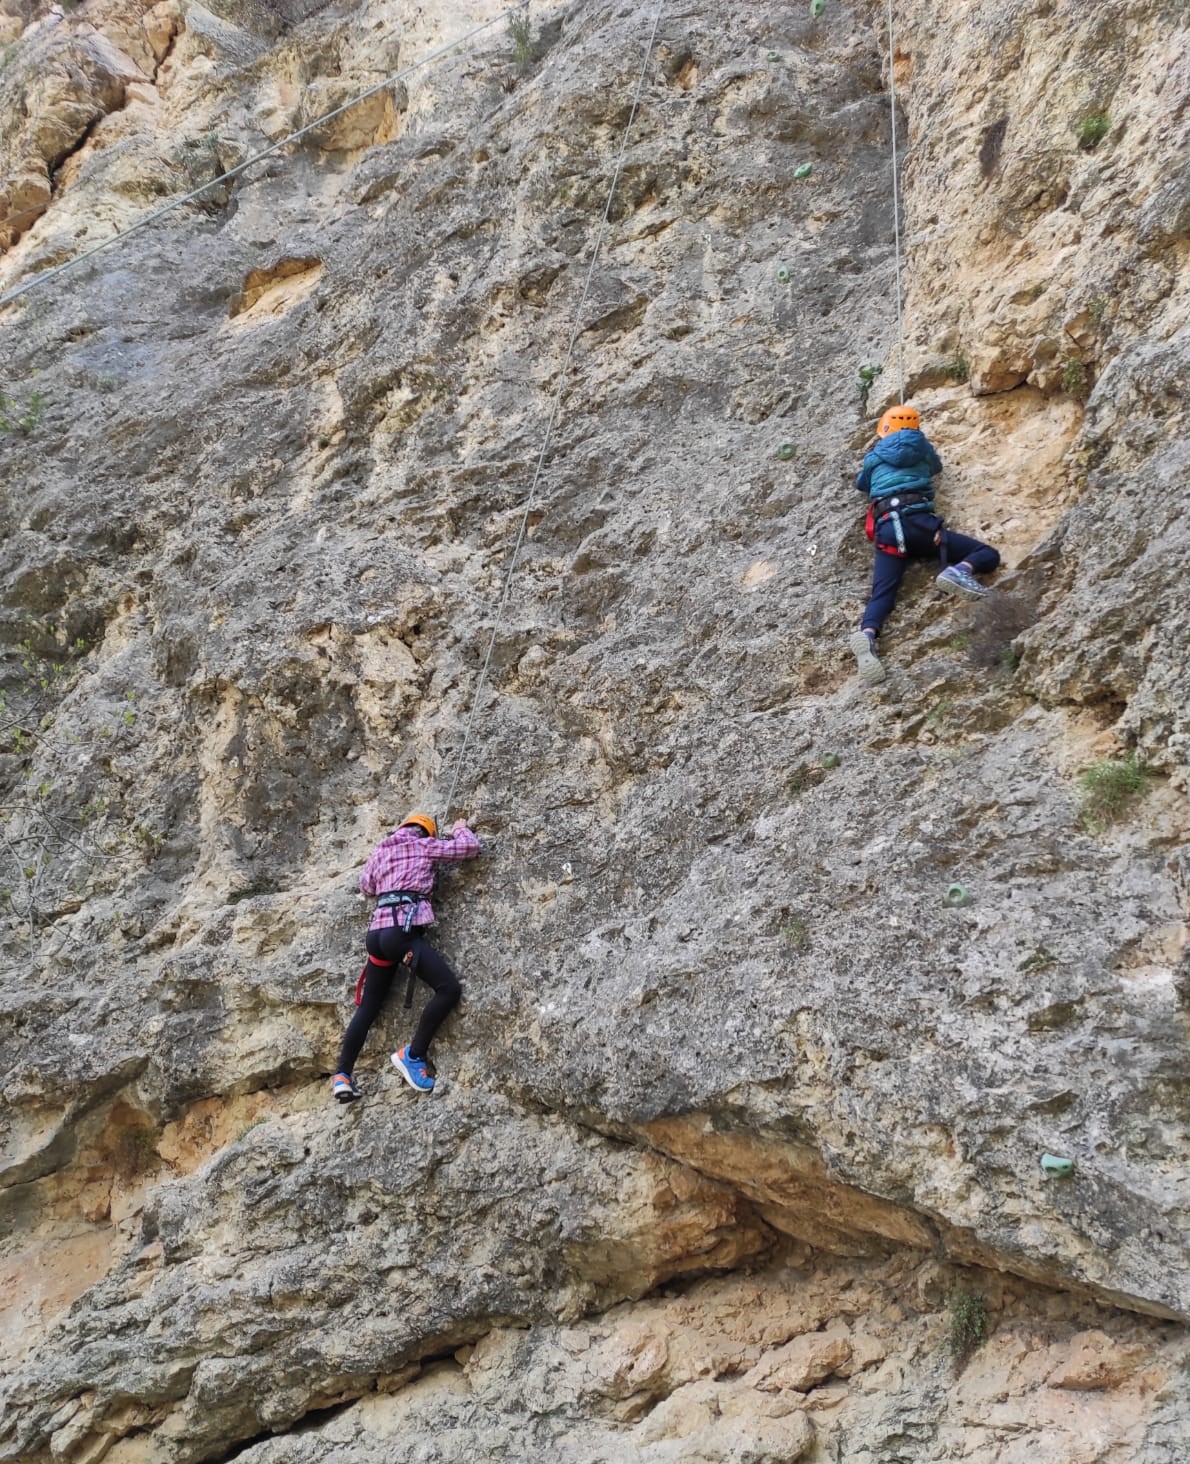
x,y
896,193
436,55
575,331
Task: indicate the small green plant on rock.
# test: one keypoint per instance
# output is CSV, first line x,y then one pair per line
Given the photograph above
x,y
520,31
939,715
134,1153
796,936
1075,380
15,418
867,378
803,778
958,368
1110,788
93,809
1092,129
28,712
967,1327
149,839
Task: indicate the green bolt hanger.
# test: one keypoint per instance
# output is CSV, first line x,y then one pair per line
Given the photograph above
x,y
783,274
804,171
817,7
1053,1164
785,451
957,896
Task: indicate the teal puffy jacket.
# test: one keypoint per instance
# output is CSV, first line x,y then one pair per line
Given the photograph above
x,y
900,462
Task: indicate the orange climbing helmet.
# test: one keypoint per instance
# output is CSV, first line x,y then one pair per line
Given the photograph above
x,y
897,419
421,821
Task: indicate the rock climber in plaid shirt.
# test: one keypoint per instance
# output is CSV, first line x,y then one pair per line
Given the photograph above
x,y
400,876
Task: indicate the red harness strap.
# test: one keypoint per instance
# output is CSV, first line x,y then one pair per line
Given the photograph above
x,y
376,961
359,985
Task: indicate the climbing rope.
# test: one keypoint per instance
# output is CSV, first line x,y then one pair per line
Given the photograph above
x,y
47,275
553,416
892,93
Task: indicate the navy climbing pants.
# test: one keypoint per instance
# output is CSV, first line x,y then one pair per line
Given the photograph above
x,y
889,569
391,944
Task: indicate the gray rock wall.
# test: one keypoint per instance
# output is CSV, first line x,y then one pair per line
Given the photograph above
x,y
262,472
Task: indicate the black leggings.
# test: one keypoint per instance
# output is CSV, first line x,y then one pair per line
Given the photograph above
x,y
391,944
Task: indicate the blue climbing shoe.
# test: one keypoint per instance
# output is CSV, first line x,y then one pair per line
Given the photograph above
x,y
957,581
413,1070
343,1089
864,650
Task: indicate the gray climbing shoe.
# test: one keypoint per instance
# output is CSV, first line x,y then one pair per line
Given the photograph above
x,y
956,581
870,669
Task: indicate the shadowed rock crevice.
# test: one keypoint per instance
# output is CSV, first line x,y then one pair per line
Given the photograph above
x,y
663,1222
779,1359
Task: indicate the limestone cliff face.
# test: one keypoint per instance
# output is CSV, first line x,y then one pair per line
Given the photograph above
x,y
736,1105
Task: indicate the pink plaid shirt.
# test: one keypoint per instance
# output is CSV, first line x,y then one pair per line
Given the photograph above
x,y
405,861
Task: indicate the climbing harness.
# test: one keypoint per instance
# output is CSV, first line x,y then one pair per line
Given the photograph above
x,y
403,904
885,510
49,274
553,416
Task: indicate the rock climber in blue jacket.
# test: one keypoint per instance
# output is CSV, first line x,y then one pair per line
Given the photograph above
x,y
897,477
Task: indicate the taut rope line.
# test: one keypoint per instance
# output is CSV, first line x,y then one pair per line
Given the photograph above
x,y
892,93
47,275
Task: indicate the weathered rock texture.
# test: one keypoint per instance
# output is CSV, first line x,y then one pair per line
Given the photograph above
x,y
735,1107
